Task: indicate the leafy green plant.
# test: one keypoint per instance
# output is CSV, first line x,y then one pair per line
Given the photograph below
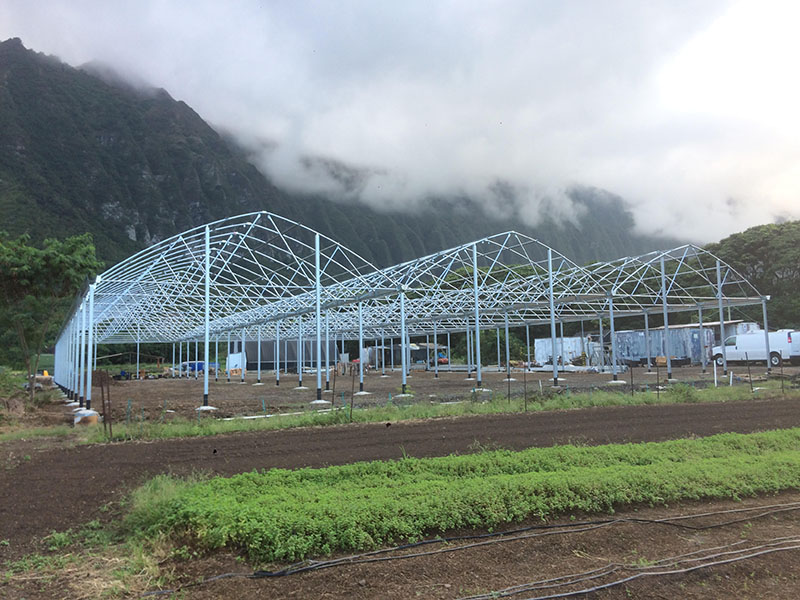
x,y
289,515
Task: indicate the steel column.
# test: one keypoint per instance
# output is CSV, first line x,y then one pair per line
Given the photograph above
x,y
666,318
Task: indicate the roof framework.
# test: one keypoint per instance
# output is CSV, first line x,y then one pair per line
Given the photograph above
x,y
260,273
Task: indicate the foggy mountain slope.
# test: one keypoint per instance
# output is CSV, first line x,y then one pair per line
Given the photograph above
x,y
82,151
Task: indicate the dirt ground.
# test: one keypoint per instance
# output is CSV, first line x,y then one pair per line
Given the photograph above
x,y
57,485
164,398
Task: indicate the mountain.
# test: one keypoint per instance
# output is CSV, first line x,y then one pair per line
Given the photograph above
x,y
86,150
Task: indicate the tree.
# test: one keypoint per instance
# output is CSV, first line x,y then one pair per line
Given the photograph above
x,y
769,257
36,288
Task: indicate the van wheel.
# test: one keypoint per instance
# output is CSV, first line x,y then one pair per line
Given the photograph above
x,y
775,360
718,360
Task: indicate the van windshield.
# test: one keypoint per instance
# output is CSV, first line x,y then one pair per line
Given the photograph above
x,y
731,341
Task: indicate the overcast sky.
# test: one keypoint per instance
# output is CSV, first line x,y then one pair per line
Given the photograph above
x,y
687,109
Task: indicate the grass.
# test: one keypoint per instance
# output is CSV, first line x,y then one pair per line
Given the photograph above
x,y
676,394
37,432
283,515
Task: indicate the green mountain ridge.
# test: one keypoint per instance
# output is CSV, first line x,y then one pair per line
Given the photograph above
x,y
81,150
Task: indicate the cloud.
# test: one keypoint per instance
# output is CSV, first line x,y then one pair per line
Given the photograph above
x,y
683,108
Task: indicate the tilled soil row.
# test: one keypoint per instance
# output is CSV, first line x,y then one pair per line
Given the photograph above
x,y
58,488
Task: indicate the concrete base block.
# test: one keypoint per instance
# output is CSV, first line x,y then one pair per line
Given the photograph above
x,y
86,417
206,408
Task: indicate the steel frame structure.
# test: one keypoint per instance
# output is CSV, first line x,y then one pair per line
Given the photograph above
x,y
259,276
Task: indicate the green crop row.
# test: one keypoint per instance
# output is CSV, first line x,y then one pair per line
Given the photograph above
x,y
288,515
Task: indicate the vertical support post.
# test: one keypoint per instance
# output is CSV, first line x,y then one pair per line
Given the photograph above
x,y
173,360
508,350
258,355
647,341
602,343
228,358
383,349
403,338
703,350
300,353
244,357
449,364
435,352
206,316
138,336
469,351
278,353
427,351
82,363
766,333
583,346
180,360
391,353
613,336
552,314
91,348
327,354
216,358
666,319
318,308
477,315
499,366
360,350
528,344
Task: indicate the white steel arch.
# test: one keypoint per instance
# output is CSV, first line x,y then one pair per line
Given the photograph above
x,y
256,273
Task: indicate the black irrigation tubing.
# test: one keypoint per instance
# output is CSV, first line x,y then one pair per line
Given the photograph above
x,y
498,537
673,561
661,573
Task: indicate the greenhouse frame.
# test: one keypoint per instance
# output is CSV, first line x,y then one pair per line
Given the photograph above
x,y
259,276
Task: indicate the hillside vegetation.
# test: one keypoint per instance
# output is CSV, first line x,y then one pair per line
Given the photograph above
x,y
82,151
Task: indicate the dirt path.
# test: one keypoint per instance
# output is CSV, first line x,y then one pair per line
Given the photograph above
x,y
60,488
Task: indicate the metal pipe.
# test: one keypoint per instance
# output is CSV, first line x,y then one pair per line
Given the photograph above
x,y
206,317
613,337
528,343
82,360
243,355
403,337
508,351
278,353
91,349
435,352
647,341
477,314
327,354
318,310
666,319
702,337
360,350
552,314
499,366
258,355
766,334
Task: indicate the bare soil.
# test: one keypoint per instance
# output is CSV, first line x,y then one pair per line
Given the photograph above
x,y
55,488
152,399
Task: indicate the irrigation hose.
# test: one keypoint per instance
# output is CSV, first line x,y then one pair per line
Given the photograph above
x,y
512,535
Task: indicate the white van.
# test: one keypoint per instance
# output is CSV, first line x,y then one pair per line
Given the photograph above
x,y
783,344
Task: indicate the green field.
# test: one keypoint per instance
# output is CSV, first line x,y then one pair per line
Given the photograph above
x,y
283,515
